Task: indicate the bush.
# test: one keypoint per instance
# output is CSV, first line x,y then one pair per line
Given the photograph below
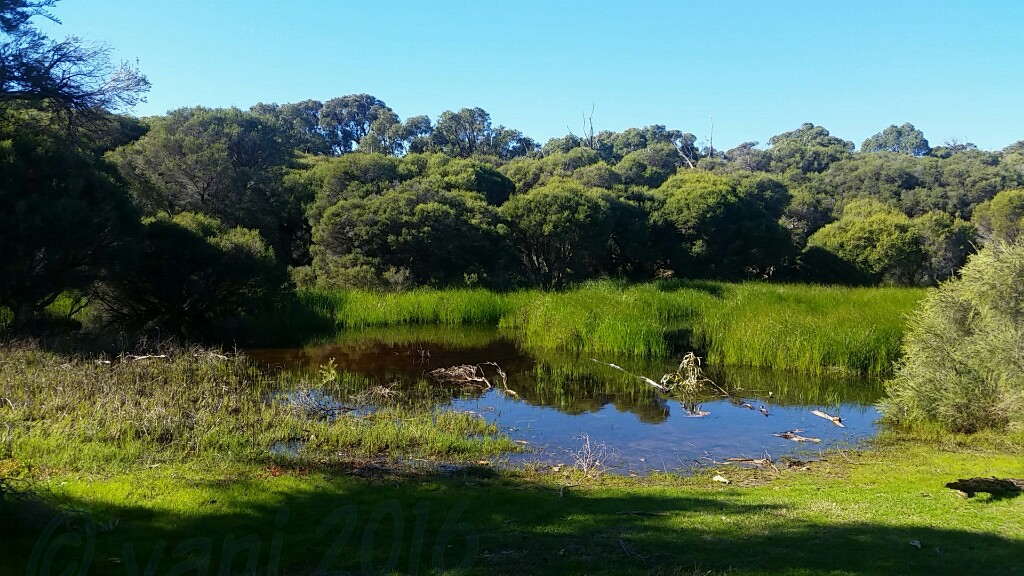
x,y
963,365
191,273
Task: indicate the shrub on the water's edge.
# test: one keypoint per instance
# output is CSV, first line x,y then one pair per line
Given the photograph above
x,y
963,365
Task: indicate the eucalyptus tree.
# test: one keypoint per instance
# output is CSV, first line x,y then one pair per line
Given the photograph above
x,y
903,139
808,149
469,132
347,120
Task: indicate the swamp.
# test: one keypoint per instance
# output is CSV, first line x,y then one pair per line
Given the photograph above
x,y
315,337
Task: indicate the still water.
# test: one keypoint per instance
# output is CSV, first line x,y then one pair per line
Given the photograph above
x,y
561,400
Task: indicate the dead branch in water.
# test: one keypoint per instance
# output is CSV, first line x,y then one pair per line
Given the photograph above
x,y
834,419
643,379
795,437
473,375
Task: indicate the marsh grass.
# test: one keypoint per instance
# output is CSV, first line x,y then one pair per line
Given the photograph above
x,y
800,328
192,404
810,329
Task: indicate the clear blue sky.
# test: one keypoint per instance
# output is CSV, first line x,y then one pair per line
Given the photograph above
x,y
758,68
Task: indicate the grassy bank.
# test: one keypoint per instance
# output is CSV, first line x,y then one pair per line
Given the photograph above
x,y
879,512
92,414
803,328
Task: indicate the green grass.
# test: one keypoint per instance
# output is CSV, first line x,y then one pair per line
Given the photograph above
x,y
800,328
92,414
807,328
853,514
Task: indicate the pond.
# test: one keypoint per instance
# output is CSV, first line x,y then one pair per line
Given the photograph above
x,y
559,402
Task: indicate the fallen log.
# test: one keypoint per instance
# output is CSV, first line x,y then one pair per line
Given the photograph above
x,y
792,435
834,419
993,485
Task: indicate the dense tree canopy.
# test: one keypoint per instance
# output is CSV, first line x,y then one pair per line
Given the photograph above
x,y
720,229
63,217
557,230
350,194
903,139
189,272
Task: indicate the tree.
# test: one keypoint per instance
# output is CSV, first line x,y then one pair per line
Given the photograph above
x,y
747,156
222,162
71,78
903,139
347,120
299,125
1001,219
64,218
714,229
649,166
469,132
190,272
808,149
557,230
879,241
947,242
416,232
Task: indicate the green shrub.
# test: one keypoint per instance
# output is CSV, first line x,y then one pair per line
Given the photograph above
x,y
963,365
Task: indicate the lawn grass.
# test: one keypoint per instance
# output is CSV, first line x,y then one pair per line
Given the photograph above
x,y
801,328
855,513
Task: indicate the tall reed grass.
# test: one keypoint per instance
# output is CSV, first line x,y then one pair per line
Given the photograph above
x,y
806,328
811,329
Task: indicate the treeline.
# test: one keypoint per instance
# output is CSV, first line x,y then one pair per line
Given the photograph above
x,y
182,220
220,212
348,194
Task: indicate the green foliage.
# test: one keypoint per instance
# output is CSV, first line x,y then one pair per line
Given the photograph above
x,y
904,139
557,231
223,162
807,149
415,233
719,230
649,166
880,242
1001,219
780,327
963,364
887,246
63,217
469,132
813,329
190,274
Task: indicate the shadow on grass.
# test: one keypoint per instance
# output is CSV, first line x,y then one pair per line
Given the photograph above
x,y
466,522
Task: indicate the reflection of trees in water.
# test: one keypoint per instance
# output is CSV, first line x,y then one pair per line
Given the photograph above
x,y
400,359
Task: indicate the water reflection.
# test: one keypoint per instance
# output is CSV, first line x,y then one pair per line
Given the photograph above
x,y
559,397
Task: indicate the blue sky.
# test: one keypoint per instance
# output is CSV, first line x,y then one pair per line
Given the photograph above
x,y
953,69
